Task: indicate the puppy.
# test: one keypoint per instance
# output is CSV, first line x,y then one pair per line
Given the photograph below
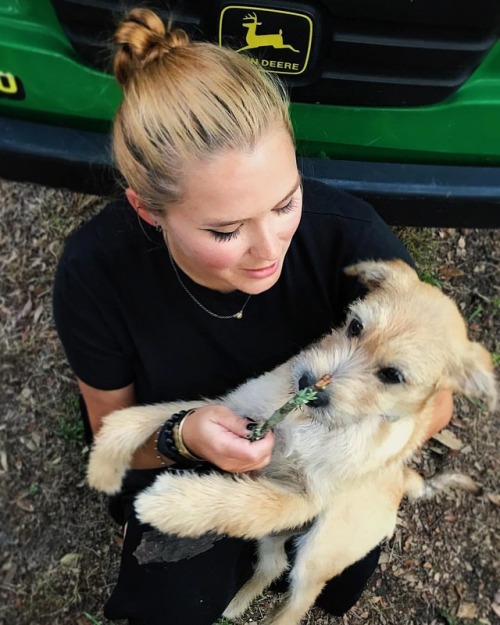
x,y
339,466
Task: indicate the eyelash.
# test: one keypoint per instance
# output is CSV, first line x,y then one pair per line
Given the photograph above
x,y
228,236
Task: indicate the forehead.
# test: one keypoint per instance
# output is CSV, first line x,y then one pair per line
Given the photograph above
x,y
237,184
416,307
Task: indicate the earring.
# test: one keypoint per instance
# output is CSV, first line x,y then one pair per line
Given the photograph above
x,y
158,226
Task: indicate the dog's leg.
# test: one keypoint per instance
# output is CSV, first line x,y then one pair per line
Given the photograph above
x,y
241,506
120,436
338,538
307,578
272,562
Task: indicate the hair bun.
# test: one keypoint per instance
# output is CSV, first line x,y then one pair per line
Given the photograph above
x,y
141,38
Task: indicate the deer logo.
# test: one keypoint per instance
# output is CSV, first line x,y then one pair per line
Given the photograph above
x,y
259,41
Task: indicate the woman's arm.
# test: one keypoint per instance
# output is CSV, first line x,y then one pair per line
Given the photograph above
x,y
212,432
443,412
102,403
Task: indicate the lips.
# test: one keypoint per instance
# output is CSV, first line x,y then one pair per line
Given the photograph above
x,y
264,272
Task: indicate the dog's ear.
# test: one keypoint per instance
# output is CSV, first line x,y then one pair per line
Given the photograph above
x,y
474,375
374,273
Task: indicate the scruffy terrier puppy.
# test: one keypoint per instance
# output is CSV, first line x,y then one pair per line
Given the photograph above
x,y
339,466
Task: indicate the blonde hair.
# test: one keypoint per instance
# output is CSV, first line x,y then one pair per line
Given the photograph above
x,y
184,102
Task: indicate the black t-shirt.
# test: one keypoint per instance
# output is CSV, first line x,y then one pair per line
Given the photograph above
x,y
124,318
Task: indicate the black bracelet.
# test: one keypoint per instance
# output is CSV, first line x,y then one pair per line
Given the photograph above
x,y
170,444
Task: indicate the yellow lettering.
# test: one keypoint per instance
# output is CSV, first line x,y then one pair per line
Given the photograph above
x,y
272,63
264,62
288,65
7,83
279,64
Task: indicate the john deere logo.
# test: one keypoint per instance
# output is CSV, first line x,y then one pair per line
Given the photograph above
x,y
11,87
279,41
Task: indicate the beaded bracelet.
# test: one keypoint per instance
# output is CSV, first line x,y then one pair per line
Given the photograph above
x,y
169,441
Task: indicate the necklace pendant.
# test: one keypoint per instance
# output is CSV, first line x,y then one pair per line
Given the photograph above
x,y
239,315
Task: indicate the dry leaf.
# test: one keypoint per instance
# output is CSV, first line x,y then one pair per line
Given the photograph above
x,y
448,439
10,572
38,314
25,505
26,309
467,610
494,498
496,608
69,560
410,577
450,272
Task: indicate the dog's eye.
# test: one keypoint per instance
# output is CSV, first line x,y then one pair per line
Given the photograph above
x,y
355,328
390,375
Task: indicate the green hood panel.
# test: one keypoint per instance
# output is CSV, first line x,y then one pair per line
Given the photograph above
x,y
42,79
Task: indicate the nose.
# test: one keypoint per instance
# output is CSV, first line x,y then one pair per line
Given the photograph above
x,y
322,397
266,245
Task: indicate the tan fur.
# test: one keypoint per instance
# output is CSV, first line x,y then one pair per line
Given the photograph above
x,y
341,465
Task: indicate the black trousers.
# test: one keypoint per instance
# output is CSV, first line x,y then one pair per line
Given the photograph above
x,y
196,590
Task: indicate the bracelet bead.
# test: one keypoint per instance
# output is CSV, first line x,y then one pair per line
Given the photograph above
x,y
169,442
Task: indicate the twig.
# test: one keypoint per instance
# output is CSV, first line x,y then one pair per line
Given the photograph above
x,y
301,398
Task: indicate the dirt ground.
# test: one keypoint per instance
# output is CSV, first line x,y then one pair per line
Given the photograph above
x,y
59,551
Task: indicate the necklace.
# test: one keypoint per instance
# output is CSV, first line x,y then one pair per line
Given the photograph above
x,y
237,315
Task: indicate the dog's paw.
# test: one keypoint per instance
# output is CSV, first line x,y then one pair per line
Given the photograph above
x,y
238,605
104,477
173,505
234,611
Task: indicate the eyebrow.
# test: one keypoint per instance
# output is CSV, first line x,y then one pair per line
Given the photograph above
x,y
221,224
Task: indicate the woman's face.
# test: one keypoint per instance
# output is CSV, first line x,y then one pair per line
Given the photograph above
x,y
237,217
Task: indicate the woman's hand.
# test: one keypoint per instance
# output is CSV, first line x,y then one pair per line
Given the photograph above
x,y
218,435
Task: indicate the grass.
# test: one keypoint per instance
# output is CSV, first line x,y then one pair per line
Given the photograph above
x,y
423,248
421,245
70,426
93,620
431,278
477,312
71,431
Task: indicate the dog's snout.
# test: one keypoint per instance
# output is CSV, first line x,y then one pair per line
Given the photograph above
x,y
322,398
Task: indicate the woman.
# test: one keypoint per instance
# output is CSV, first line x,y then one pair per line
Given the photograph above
x,y
227,266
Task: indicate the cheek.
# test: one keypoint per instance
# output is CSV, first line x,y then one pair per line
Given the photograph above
x,y
217,256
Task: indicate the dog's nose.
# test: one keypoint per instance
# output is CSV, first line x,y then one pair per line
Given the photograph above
x,y
322,398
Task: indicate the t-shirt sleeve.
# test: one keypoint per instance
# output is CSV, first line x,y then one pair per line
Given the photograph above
x,y
87,321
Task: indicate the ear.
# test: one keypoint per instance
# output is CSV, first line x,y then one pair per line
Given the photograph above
x,y
475,376
140,207
373,273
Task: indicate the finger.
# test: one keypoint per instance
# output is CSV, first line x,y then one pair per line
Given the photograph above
x,y
251,454
234,424
261,465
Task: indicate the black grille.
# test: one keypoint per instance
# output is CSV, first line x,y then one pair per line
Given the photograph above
x,y
383,53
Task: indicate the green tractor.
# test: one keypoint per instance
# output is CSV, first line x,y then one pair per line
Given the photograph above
x,y
397,101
